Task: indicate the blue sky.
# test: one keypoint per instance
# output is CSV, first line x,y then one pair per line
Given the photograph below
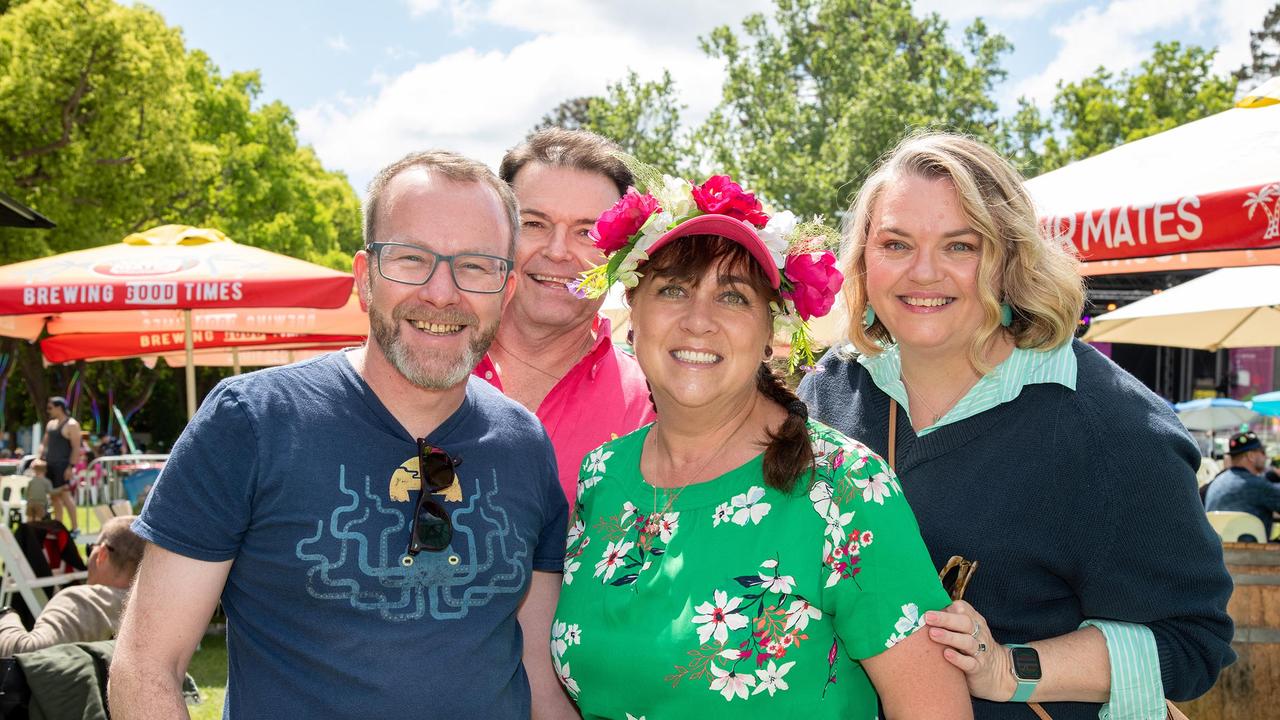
x,y
373,80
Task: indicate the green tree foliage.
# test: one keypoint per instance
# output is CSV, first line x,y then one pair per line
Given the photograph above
x,y
644,118
1174,86
814,96
1264,49
109,125
570,115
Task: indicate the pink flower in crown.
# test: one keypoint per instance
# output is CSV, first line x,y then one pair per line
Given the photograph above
x,y
815,280
720,195
617,224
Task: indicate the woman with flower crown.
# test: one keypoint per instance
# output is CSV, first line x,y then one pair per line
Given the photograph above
x,y
734,556
1022,449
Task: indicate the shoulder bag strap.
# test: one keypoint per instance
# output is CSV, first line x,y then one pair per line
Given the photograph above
x,y
893,431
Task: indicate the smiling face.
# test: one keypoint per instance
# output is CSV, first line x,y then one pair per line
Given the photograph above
x,y
558,207
434,334
700,336
922,262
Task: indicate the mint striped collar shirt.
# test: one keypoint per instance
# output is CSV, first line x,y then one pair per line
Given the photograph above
x,y
1137,692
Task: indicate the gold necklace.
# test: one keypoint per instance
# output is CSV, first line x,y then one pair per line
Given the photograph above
x,y
694,476
507,351
937,415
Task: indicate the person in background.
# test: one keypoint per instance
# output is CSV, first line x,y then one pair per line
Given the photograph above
x,y
1273,472
738,555
384,530
38,490
553,352
1018,447
60,448
1242,487
82,613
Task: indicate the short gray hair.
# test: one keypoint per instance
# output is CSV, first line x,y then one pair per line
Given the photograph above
x,y
451,165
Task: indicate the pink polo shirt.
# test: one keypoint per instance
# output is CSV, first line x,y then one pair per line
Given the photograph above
x,y
601,397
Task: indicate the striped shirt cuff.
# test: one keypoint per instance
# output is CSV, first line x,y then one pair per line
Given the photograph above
x,y
1137,692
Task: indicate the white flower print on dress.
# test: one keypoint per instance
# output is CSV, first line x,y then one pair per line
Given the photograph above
x,y
729,683
558,642
566,678
614,556
875,488
575,533
595,461
748,506
910,621
585,484
718,618
773,582
573,635
723,514
823,499
571,566
667,526
800,613
627,511
771,678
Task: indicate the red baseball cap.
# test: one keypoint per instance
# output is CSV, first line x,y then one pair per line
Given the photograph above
x,y
731,228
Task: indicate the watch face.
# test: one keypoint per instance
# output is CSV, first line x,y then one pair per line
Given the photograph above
x,y
1026,663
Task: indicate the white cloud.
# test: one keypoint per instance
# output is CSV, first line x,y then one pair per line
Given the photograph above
x,y
963,13
1120,35
481,104
1235,19
338,43
422,7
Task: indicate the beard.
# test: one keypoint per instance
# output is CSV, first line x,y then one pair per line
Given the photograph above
x,y
430,370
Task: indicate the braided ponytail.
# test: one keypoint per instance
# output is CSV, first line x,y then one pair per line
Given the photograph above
x,y
789,453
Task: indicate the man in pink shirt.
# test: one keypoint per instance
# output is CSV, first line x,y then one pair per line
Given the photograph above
x,y
553,352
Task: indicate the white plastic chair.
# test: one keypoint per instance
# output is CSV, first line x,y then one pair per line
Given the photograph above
x,y
13,494
1232,526
20,578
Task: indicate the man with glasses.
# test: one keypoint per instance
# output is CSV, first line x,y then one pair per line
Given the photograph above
x,y
82,613
385,531
553,353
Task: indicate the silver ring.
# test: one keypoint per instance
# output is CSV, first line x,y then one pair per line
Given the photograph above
x,y
982,647
976,629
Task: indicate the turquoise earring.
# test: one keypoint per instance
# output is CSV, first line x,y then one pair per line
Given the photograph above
x,y
869,317
1006,315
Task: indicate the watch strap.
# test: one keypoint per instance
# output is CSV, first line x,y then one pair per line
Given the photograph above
x,y
1025,687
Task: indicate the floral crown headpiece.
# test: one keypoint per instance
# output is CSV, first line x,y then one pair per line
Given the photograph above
x,y
803,268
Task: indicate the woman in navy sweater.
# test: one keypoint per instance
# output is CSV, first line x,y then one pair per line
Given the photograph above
x,y
1101,582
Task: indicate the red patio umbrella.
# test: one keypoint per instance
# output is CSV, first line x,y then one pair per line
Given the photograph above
x,y
172,268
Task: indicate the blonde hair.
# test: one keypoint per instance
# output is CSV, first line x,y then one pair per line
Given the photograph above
x,y
1037,274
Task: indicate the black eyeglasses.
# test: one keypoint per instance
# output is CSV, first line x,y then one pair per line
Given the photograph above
x,y
413,265
432,530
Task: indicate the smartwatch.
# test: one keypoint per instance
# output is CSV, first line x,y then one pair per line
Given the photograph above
x,y
1026,670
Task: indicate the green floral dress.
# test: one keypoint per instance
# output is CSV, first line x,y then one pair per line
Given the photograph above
x,y
729,596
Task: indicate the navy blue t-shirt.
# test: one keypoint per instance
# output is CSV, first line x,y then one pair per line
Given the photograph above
x,y
303,478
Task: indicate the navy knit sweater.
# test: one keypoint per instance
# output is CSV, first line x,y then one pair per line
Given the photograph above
x,y
1077,504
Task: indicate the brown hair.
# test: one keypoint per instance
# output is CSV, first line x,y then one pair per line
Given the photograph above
x,y
126,547
788,455
1037,274
452,166
574,149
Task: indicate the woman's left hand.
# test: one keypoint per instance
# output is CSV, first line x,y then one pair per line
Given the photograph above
x,y
968,644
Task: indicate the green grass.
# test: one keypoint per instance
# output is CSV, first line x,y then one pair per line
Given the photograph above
x,y
209,668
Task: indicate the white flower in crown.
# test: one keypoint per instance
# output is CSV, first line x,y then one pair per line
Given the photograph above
x,y
777,235
675,196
